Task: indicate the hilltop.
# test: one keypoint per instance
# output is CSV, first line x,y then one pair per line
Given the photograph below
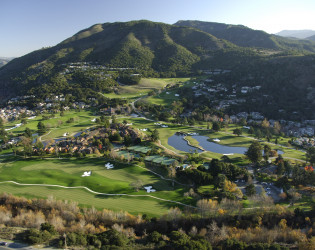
x,y
312,38
246,37
145,45
300,34
154,50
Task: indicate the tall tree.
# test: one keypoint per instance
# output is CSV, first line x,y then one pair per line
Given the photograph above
x,y
41,128
250,190
28,133
216,126
237,131
172,173
155,136
267,150
310,155
254,152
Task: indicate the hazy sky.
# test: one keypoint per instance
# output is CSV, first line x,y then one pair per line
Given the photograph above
x,y
28,25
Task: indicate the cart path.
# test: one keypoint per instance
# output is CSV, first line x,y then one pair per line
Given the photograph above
x,y
98,193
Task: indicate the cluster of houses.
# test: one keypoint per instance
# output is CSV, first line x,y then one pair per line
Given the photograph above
x,y
85,142
221,94
216,71
249,117
74,66
304,142
10,113
298,129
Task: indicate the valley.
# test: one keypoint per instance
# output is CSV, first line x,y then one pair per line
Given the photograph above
x,y
143,128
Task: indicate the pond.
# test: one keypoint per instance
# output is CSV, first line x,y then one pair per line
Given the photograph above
x,y
178,142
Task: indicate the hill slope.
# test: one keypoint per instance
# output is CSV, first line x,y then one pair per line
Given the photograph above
x,y
158,49
300,34
138,44
237,34
312,38
246,37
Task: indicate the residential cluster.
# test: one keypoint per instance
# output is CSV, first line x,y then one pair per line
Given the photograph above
x,y
90,141
11,113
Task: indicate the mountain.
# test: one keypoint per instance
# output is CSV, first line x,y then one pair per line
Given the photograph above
x,y
246,37
300,34
161,50
237,34
312,38
5,60
145,45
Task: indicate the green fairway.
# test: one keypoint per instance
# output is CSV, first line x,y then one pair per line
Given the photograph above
x,y
57,126
68,173
134,205
145,86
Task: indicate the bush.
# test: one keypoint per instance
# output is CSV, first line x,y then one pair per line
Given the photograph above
x,y
155,237
34,236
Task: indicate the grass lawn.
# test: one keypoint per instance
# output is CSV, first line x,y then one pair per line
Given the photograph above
x,y
145,86
57,126
67,172
193,142
305,203
168,96
133,205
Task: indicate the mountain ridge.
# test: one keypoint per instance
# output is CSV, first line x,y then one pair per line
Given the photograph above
x,y
151,48
245,37
300,34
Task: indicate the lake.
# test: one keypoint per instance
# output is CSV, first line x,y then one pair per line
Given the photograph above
x,y
178,142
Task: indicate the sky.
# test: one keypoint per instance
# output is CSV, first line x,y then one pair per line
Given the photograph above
x,y
28,25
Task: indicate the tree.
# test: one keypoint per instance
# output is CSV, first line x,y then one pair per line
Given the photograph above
x,y
41,128
155,136
250,190
127,140
3,133
40,148
265,123
254,152
28,133
206,206
280,168
267,150
310,155
172,173
294,195
277,127
216,126
237,132
114,120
